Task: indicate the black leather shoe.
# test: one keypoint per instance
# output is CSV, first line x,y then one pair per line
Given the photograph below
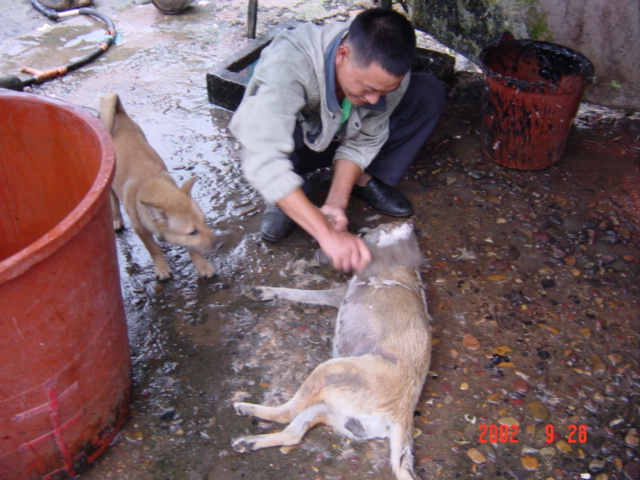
x,y
275,224
384,198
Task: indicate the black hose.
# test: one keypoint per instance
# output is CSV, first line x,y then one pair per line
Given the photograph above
x,y
52,14
95,13
107,41
15,83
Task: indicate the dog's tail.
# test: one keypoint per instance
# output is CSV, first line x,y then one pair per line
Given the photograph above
x,y
401,446
109,105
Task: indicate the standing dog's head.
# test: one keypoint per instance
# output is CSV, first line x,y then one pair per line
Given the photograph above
x,y
174,217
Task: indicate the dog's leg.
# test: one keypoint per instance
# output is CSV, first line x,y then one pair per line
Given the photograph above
x,y
163,272
311,392
204,268
291,435
331,383
331,298
280,414
401,446
115,212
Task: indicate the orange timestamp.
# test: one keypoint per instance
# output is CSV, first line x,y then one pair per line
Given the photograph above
x,y
507,434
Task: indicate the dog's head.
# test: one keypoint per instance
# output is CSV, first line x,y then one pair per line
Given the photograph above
x,y
177,219
392,245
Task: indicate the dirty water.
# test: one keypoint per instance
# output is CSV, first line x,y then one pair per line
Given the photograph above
x,y
532,278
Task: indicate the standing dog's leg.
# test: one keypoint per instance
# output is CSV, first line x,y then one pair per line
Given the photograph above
x,y
292,435
115,211
163,272
204,268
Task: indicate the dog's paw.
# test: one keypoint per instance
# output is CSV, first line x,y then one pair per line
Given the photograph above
x,y
118,225
163,273
243,444
242,408
261,294
205,269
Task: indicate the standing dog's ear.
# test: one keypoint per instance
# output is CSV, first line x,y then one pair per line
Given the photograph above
x,y
188,185
158,214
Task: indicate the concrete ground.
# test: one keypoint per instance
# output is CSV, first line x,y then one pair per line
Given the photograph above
x,y
531,277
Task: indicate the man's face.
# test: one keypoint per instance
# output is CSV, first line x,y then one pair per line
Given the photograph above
x,y
362,85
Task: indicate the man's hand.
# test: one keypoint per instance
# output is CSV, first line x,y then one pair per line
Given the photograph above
x,y
336,217
347,251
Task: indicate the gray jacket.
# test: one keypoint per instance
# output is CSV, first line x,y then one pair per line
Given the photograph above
x,y
294,82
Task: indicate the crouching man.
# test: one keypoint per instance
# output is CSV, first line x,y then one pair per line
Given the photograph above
x,y
342,95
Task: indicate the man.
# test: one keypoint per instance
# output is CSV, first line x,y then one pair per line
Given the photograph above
x,y
340,94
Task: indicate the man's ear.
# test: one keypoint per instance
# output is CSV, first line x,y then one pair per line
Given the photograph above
x,y
343,54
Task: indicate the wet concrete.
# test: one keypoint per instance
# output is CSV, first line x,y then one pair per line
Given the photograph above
x,y
532,278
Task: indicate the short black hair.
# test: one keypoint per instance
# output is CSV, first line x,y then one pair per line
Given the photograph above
x,y
383,36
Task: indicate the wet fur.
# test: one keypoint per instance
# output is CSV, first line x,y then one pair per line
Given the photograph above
x,y
382,348
153,202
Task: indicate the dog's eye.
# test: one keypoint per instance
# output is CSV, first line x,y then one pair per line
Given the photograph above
x,y
194,233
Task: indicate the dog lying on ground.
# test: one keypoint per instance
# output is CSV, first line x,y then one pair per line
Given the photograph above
x,y
381,355
154,203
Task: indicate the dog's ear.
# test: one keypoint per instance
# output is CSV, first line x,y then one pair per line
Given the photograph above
x,y
158,214
188,185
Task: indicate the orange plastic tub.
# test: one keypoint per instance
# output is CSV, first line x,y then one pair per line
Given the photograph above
x,y
64,353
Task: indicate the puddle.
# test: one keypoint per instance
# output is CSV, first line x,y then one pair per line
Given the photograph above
x,y
532,280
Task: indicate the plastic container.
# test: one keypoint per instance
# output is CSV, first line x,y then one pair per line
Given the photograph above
x,y
171,7
65,370
532,94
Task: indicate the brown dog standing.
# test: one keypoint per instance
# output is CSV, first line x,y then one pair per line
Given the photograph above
x,y
154,203
382,351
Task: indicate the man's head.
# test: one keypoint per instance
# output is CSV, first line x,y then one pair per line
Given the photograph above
x,y
375,55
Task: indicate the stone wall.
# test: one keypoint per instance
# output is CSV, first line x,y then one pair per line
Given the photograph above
x,y
606,31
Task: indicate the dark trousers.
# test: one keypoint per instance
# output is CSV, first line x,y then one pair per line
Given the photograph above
x,y
410,125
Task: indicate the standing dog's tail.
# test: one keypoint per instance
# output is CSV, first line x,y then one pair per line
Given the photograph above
x,y
109,105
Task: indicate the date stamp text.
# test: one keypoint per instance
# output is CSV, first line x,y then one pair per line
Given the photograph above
x,y
508,434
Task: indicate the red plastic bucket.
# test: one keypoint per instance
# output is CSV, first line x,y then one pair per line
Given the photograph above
x,y
532,94
64,353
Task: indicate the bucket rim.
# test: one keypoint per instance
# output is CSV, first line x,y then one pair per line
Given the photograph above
x,y
587,70
72,223
171,8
